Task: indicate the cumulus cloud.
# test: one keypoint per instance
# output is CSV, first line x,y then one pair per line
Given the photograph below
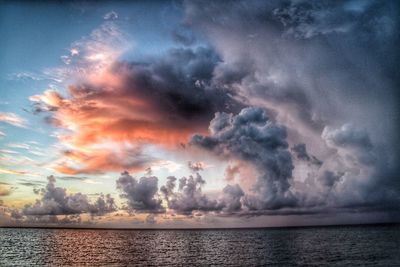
x,y
189,196
56,201
252,137
141,195
231,198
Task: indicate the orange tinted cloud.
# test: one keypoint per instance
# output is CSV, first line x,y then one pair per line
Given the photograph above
x,y
8,171
97,161
127,105
95,118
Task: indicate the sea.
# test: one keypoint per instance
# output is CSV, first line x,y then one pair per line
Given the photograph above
x,y
371,245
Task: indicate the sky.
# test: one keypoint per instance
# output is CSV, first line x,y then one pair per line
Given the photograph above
x,y
199,114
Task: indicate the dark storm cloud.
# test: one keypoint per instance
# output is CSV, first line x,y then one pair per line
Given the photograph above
x,y
301,153
55,201
327,70
348,136
183,36
371,178
252,137
329,178
299,52
178,85
141,194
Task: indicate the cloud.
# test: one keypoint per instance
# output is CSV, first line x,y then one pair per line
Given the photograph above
x,y
231,198
13,119
262,61
329,178
5,189
8,171
99,160
161,101
141,194
29,182
112,15
56,201
150,219
252,137
365,170
296,18
196,166
347,136
183,36
301,153
71,178
231,171
288,58
321,72
189,196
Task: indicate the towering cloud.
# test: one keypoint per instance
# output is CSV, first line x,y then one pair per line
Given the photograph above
x,y
252,137
141,194
314,67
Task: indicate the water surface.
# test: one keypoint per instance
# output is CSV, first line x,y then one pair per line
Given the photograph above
x,y
315,246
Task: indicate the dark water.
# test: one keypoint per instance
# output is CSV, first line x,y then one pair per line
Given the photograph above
x,y
320,246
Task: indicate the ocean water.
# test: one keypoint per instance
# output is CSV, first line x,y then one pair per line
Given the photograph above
x,y
312,246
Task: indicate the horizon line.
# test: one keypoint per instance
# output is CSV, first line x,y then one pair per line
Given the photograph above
x,y
205,228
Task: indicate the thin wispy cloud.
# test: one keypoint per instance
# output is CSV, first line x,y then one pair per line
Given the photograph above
x,y
9,171
13,119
